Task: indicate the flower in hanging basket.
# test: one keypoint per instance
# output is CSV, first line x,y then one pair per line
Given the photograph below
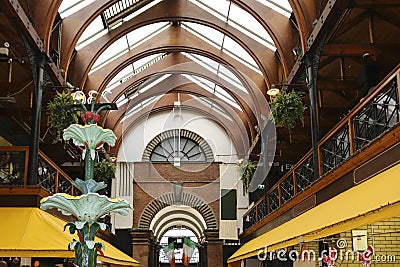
x,y
286,109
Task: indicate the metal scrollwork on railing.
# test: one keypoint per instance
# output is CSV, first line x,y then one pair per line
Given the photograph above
x,y
273,200
12,167
336,149
64,185
262,210
250,219
377,116
305,175
287,189
46,176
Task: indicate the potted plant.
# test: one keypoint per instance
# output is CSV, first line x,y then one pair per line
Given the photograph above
x,y
104,171
60,115
247,171
287,108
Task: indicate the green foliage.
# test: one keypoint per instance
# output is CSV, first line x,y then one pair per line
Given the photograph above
x,y
104,171
60,115
247,170
286,109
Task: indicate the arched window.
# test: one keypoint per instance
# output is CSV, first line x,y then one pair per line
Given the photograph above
x,y
178,145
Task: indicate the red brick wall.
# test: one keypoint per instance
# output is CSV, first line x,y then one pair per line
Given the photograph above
x,y
198,179
201,180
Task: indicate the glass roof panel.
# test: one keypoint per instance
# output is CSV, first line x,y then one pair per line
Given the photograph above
x,y
150,83
133,69
123,45
246,23
211,87
91,33
217,68
211,104
218,8
120,77
281,6
69,7
227,44
141,34
206,33
114,50
235,50
141,106
238,18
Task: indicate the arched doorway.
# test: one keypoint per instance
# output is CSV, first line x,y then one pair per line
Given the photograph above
x,y
177,235
162,215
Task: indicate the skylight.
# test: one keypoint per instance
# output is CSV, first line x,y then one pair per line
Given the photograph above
x,y
281,6
222,42
133,69
218,69
214,89
95,30
69,7
238,18
128,42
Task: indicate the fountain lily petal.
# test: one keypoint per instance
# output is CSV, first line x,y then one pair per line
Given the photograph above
x,y
90,136
88,207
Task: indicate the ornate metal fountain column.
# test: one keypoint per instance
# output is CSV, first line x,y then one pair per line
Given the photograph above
x,y
90,206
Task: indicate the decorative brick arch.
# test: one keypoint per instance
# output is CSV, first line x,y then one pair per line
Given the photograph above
x,y
168,199
175,132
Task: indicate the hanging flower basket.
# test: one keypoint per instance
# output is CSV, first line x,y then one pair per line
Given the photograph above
x,y
287,109
247,171
60,115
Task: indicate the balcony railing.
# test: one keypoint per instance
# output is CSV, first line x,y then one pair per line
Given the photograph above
x,y
370,119
14,171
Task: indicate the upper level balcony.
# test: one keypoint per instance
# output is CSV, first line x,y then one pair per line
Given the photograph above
x,y
14,190
359,146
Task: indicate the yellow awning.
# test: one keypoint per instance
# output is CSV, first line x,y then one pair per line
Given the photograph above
x,y
31,232
374,200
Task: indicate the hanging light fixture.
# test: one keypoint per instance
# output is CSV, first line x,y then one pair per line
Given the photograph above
x,y
273,91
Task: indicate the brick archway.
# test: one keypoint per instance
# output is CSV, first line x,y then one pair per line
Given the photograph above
x,y
167,196
168,199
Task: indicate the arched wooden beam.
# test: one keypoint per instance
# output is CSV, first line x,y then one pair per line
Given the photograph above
x,y
44,24
75,24
175,10
252,105
99,79
278,27
180,84
167,103
305,12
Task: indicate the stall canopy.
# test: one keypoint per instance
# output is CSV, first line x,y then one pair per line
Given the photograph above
x,y
374,200
31,232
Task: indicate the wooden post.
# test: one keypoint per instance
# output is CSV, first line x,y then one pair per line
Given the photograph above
x,y
56,181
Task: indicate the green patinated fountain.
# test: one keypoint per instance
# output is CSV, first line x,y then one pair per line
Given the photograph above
x,y
90,206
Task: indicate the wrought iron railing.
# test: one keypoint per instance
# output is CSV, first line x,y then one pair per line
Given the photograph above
x,y
14,171
13,166
374,116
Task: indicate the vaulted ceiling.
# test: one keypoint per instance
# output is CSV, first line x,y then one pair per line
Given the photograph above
x,y
218,57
